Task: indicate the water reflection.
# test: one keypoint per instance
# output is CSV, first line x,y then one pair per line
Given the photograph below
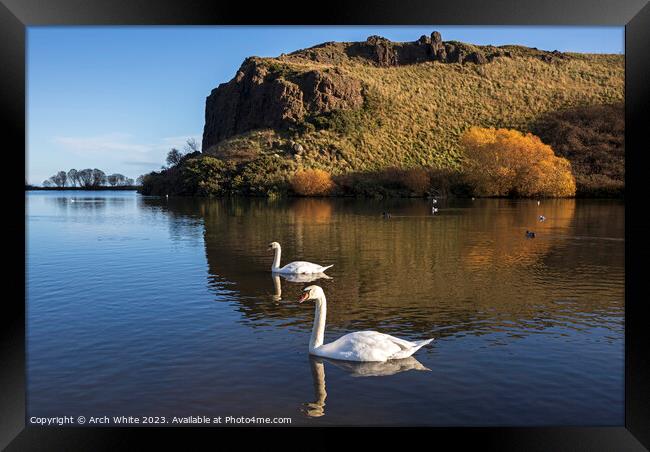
x,y
317,407
83,203
67,204
354,369
378,369
300,279
192,275
469,269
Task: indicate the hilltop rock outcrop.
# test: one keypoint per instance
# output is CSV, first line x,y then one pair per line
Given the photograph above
x,y
385,53
274,93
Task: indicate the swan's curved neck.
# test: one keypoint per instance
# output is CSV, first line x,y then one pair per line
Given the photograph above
x,y
276,259
318,331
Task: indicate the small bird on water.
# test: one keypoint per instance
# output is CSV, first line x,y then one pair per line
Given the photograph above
x,y
542,218
434,210
538,203
530,234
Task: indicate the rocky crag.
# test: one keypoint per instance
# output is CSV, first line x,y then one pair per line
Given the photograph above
x,y
260,96
267,94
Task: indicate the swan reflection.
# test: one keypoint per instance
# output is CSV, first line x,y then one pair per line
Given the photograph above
x,y
317,407
301,278
354,369
378,369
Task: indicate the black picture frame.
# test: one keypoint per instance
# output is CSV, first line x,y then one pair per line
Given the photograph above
x,y
16,15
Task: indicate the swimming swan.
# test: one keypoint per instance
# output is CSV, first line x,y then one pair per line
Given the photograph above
x,y
297,267
358,346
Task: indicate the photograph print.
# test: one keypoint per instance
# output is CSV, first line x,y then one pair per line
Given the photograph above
x,y
325,226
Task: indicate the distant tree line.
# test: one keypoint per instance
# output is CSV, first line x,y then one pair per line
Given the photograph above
x,y
88,178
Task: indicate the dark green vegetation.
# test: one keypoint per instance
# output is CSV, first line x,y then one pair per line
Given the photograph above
x,y
593,140
204,175
373,114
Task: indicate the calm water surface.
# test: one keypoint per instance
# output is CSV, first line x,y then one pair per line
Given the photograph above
x,y
146,306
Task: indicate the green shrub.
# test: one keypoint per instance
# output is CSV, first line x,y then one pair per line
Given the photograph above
x,y
207,176
264,176
165,182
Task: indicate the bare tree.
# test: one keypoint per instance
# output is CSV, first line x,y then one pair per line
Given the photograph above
x,y
59,179
116,179
174,157
191,146
85,177
73,178
128,181
47,183
99,178
62,178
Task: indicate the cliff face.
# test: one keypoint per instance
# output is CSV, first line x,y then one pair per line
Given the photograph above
x,y
264,94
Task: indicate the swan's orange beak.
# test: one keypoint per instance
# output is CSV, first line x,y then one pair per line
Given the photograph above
x,y
303,297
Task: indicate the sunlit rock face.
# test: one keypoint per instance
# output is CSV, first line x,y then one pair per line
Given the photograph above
x,y
263,95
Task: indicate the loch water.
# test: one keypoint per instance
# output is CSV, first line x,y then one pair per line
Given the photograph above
x,y
144,306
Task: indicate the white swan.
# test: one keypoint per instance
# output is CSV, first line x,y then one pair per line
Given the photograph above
x,y
297,267
358,346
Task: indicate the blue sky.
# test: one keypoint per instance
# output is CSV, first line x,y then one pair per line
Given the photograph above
x,y
118,98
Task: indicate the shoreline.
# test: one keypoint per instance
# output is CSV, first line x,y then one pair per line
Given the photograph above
x,y
123,187
349,196
137,189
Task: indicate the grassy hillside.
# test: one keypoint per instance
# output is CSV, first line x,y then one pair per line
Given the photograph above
x,y
414,114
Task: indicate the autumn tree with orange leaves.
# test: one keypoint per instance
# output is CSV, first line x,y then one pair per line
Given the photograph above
x,y
504,162
312,182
